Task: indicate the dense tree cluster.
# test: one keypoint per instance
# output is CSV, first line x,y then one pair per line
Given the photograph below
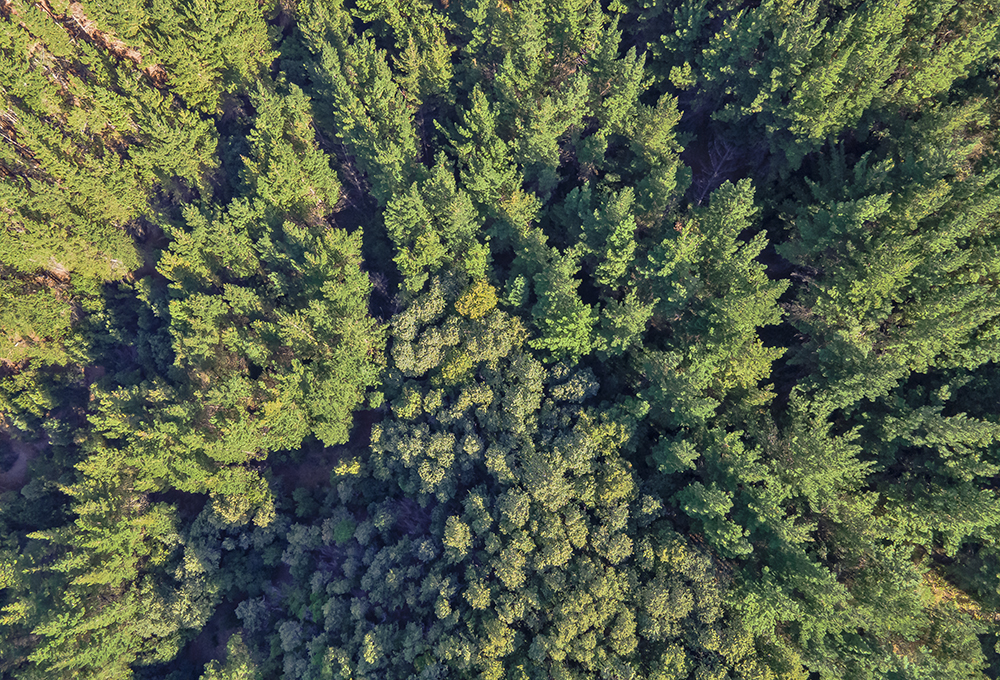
x,y
509,340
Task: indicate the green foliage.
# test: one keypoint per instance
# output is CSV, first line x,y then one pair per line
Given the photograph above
x,y
423,55
410,334
71,188
435,229
310,332
565,323
238,665
208,48
33,324
364,107
287,171
911,263
111,613
715,296
802,71
709,506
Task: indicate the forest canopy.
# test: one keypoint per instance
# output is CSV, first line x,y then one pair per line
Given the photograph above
x,y
500,339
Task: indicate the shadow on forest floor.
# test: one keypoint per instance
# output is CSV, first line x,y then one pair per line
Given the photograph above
x,y
308,468
15,455
210,643
311,465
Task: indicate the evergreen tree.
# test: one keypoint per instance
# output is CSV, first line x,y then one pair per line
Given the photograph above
x,y
689,366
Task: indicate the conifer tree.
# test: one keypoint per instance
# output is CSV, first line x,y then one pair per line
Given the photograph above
x,y
208,48
638,411
362,104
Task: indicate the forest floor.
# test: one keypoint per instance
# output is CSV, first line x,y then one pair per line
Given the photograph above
x,y
308,469
312,467
16,475
210,643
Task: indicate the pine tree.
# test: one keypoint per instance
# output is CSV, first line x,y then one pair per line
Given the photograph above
x,y
367,110
208,48
565,323
436,228
287,171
